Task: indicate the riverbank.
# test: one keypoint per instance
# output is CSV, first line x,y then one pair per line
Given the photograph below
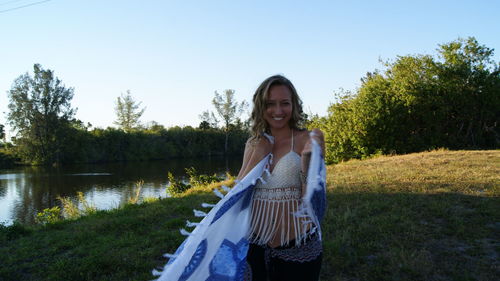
x,y
26,191
422,216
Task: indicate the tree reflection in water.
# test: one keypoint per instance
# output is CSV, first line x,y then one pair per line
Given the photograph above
x,y
25,191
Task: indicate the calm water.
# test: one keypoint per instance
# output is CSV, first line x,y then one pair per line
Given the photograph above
x,y
25,191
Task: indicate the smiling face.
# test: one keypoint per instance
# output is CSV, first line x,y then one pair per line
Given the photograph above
x,y
278,110
276,104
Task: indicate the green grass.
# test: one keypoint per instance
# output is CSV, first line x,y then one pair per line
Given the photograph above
x,y
423,216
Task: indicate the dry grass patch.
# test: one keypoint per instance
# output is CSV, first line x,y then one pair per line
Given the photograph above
x,y
467,172
422,216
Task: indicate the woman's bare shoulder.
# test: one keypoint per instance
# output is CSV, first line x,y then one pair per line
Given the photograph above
x,y
261,144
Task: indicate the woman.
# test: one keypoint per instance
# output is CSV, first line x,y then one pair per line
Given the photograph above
x,y
282,245
254,232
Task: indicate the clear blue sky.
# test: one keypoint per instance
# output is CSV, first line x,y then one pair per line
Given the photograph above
x,y
173,55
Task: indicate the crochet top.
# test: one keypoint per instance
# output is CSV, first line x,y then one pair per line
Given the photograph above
x,y
275,201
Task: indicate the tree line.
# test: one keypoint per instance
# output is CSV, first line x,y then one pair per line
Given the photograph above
x,y
417,103
83,145
47,131
152,143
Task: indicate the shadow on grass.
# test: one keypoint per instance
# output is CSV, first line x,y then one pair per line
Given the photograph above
x,y
411,236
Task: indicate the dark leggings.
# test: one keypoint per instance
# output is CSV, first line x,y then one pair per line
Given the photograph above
x,y
267,268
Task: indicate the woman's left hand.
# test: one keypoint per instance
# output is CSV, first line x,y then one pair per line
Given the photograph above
x,y
317,135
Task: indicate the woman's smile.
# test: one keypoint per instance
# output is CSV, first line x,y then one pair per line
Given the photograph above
x,y
278,107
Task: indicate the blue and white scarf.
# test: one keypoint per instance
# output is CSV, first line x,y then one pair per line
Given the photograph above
x,y
217,248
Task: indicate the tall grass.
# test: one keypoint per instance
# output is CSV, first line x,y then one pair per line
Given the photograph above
x,y
137,192
73,210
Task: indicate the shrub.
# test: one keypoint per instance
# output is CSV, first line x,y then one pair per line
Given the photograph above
x,y
195,179
176,187
49,215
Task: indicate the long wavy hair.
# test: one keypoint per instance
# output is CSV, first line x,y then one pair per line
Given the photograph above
x,y
259,124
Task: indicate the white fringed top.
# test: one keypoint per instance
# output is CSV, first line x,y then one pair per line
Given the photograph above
x,y
275,201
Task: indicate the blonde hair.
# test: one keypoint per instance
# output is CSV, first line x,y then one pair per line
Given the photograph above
x,y
259,124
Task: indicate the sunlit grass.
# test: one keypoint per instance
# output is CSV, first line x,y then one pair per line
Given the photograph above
x,y
467,172
421,216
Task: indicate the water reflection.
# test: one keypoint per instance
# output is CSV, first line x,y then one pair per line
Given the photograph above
x,y
25,191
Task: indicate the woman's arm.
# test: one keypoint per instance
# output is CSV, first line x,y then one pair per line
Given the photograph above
x,y
246,157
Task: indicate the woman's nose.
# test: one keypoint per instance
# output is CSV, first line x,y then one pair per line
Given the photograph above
x,y
278,109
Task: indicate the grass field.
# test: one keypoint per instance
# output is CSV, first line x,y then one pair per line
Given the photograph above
x,y
424,216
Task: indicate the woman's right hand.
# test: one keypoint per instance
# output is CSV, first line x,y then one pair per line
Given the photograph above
x,y
317,135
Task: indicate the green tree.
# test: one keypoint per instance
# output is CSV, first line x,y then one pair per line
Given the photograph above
x,y
417,103
40,112
229,110
470,79
128,112
154,127
204,125
208,120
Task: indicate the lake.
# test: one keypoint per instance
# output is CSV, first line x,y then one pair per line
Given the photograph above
x,y
27,190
